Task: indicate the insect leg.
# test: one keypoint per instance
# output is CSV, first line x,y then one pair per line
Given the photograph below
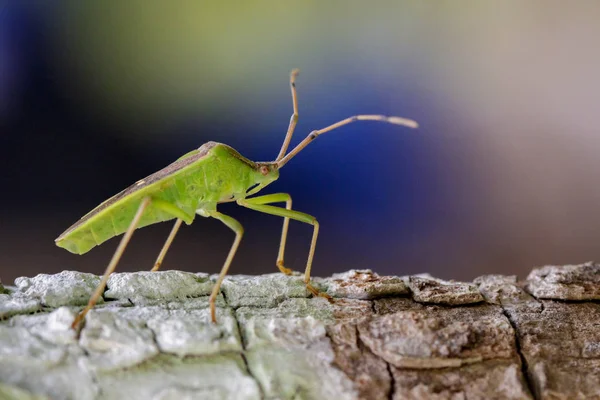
x,y
239,232
298,216
175,211
294,118
113,262
163,251
278,198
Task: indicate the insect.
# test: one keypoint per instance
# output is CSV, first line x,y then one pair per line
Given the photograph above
x,y
194,185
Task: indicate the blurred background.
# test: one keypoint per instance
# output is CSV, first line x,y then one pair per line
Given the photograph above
x,y
501,176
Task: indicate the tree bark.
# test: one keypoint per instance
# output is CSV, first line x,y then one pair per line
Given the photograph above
x,y
383,338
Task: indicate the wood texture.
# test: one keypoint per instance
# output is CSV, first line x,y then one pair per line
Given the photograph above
x,y
384,338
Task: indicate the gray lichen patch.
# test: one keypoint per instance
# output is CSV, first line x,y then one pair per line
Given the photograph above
x,y
114,342
363,284
144,286
295,322
22,346
65,381
314,307
196,303
437,291
262,291
13,305
191,332
8,392
33,364
439,337
288,349
53,327
68,288
167,377
488,380
568,282
302,373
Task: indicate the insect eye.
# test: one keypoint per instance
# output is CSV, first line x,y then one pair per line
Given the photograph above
x,y
264,170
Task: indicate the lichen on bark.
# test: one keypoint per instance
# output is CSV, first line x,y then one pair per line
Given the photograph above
x,y
384,337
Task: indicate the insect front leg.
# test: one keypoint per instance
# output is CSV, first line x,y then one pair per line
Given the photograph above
x,y
113,262
235,226
278,198
298,216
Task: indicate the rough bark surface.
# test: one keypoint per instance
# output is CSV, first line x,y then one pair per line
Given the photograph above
x,y
383,338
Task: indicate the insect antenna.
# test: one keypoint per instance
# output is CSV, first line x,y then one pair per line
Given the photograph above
x,y
294,118
281,161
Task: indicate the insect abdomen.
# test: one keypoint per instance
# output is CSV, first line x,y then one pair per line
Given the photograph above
x,y
181,191
207,180
108,224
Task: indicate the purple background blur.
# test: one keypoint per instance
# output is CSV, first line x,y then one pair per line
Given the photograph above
x,y
501,176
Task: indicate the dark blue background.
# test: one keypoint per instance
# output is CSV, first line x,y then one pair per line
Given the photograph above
x,y
449,199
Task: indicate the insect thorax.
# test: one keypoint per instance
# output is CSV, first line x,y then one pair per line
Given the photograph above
x,y
223,176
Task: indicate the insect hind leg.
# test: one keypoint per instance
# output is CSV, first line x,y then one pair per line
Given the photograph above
x,y
113,262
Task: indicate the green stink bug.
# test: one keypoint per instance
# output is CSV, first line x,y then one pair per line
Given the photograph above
x,y
193,185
